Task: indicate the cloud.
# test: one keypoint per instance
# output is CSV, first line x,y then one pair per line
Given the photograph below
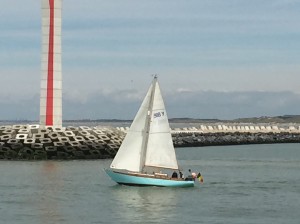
x,y
123,104
238,49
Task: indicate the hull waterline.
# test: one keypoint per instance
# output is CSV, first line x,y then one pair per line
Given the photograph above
x,y
134,180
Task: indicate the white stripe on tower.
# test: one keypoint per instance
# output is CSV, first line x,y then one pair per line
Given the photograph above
x,y
51,80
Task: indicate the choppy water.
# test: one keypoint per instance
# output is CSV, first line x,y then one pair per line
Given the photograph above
x,y
242,184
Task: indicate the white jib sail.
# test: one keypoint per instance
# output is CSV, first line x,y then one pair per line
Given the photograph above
x,y
129,153
160,150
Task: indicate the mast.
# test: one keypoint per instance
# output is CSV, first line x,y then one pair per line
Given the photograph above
x,y
147,125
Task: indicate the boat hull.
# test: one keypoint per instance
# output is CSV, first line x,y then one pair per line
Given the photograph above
x,y
134,180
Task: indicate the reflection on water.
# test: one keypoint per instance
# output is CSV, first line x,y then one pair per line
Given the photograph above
x,y
144,203
52,184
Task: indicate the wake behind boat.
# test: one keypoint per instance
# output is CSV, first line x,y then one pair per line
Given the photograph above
x,y
147,155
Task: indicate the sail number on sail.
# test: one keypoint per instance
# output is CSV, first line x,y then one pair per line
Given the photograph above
x,y
158,114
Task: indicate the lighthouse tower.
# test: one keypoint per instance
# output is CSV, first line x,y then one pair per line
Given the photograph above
x,y
51,79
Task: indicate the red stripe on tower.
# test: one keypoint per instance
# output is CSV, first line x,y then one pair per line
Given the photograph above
x,y
49,104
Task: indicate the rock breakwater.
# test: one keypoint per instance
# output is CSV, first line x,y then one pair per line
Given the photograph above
x,y
212,139
30,142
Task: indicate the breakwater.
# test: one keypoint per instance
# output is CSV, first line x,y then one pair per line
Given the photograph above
x,y
31,142
220,138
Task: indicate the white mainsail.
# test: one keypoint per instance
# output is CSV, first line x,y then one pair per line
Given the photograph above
x,y
129,154
148,141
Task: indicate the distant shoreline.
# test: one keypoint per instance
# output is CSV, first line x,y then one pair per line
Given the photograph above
x,y
253,120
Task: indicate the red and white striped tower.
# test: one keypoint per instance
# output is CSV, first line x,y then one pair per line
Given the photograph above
x,y
51,80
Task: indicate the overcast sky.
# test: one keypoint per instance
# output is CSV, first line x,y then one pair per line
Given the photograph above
x,y
215,58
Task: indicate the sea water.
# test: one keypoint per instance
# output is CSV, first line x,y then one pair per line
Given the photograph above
x,y
242,184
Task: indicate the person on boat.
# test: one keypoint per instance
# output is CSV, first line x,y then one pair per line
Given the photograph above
x,y
174,174
200,178
192,174
189,177
181,174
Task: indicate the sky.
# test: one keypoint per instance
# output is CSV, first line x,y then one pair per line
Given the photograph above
x,y
214,58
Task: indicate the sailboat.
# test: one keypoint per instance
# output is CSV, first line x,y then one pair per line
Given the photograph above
x,y
147,156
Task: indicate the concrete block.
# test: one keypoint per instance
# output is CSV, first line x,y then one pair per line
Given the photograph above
x,y
122,129
63,139
79,154
71,128
38,135
210,128
13,141
84,148
2,128
45,141
104,138
74,143
49,128
85,128
54,136
37,146
69,148
29,141
34,129
79,138
112,149
116,142
59,144
292,128
95,154
247,128
24,131
39,154
88,142
98,148
269,128
44,131
5,138
51,148
68,133
97,132
57,129
84,133
18,127
251,128
100,142
9,132
16,146
256,128
91,137
22,136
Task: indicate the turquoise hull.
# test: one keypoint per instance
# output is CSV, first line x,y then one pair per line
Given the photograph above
x,y
131,179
